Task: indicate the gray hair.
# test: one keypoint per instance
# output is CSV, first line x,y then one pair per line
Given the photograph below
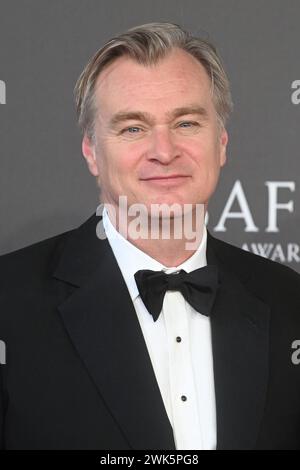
x,y
147,44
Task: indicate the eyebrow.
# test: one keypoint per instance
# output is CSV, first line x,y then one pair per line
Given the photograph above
x,y
122,116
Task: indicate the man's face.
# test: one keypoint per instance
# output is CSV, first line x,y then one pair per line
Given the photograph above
x,y
157,138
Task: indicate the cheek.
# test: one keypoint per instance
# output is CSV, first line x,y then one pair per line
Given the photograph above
x,y
127,159
119,166
206,161
206,153
201,153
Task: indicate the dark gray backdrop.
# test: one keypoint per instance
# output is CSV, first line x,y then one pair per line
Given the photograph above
x,y
45,185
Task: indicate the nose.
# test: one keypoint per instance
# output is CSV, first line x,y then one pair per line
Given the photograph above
x,y
163,147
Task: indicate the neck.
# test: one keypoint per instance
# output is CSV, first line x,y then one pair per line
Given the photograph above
x,y
170,241
170,253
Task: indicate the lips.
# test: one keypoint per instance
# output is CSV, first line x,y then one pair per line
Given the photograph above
x,y
165,182
164,177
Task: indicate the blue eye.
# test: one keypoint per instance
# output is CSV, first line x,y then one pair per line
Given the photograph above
x,y
187,124
131,130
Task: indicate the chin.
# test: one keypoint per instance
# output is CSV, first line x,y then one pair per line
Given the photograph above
x,y
167,206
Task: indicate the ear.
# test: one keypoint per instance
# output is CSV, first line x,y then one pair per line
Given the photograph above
x,y
89,153
223,146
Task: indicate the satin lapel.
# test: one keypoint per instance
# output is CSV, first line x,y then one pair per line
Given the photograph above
x,y
103,326
240,327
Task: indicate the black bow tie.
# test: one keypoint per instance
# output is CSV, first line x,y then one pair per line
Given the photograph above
x,y
199,288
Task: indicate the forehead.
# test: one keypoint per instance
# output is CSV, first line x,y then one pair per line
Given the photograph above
x,y
175,80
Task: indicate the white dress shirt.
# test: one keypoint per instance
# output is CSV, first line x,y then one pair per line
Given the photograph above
x,y
179,345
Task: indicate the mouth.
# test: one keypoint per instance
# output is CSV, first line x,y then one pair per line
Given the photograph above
x,y
170,180
165,178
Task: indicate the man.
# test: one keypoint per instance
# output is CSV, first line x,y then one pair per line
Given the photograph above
x,y
134,340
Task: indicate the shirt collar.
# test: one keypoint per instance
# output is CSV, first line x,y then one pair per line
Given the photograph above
x,y
131,259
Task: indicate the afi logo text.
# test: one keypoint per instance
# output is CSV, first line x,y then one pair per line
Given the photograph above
x,y
238,197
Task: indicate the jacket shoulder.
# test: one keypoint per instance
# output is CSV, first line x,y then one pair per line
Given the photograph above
x,y
31,263
254,267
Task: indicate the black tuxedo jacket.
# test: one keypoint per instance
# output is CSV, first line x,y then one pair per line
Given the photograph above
x,y
78,374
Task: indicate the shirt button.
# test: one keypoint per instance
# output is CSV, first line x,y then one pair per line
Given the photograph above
x,y
183,398
178,339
